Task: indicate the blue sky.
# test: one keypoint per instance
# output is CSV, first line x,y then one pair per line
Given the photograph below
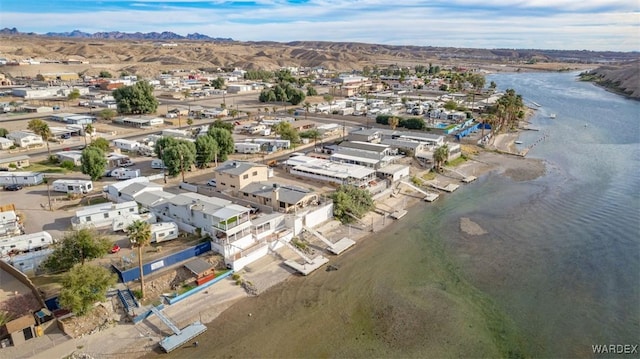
x,y
542,24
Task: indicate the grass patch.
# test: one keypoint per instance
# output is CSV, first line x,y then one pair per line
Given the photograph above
x,y
457,162
429,176
94,200
46,167
185,288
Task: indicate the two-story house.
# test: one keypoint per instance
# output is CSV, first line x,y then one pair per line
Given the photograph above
x,y
233,175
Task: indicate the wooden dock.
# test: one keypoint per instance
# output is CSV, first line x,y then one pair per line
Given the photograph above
x,y
447,188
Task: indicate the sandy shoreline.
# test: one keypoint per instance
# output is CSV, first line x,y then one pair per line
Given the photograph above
x,y
141,339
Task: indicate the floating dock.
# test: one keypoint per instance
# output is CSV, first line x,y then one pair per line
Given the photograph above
x,y
335,248
431,197
469,179
447,188
307,267
179,336
398,214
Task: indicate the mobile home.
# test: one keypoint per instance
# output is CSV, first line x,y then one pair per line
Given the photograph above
x,y
126,145
72,186
125,173
21,178
163,231
25,243
247,147
103,215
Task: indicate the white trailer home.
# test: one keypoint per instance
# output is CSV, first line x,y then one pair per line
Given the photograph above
x,y
125,173
21,178
121,223
164,231
25,243
72,186
103,215
247,147
126,145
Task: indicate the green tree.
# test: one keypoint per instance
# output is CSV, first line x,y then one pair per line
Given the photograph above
x,y
306,106
206,150
329,98
105,74
82,286
286,132
93,162
311,91
139,233
493,85
41,129
233,113
190,122
226,125
107,114
179,157
3,132
136,99
101,143
450,105
440,156
224,141
218,83
413,123
313,134
73,95
68,165
76,247
351,203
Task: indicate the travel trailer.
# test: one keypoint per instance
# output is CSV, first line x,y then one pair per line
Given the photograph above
x,y
72,186
157,164
163,231
125,173
25,243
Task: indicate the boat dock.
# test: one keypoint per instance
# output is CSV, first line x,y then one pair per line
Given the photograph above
x,y
335,248
447,188
398,214
179,336
308,265
429,196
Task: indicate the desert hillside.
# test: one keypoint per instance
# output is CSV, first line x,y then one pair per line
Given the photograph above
x,y
147,58
623,78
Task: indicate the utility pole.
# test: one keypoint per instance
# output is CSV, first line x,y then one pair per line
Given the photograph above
x,y
46,180
182,165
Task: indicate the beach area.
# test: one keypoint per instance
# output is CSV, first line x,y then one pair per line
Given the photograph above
x,y
219,305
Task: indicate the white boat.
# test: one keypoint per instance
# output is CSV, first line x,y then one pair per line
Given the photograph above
x,y
518,142
553,115
536,104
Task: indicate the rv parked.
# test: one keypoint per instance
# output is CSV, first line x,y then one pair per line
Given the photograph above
x,y
25,243
157,164
163,231
72,186
125,173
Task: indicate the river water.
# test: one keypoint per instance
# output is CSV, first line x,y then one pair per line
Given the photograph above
x,y
557,271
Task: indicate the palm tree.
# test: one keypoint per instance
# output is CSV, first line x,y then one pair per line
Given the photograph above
x,y
440,156
393,122
307,105
41,129
139,233
88,130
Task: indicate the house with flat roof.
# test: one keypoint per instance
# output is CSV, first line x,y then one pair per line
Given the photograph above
x,y
5,143
328,171
132,191
371,135
227,224
25,139
364,154
15,161
74,156
233,175
21,178
282,198
103,214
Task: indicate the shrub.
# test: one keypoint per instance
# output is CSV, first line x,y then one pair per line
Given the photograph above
x,y
68,165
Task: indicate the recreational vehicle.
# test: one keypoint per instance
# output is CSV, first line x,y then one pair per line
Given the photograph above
x,y
125,173
163,231
126,145
25,243
157,164
73,186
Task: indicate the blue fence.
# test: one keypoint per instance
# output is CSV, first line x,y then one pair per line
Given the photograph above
x,y
148,268
199,288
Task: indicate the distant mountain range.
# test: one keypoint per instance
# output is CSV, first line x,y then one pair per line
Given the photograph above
x,y
117,35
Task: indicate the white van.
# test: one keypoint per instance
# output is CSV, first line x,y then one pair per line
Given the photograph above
x,y
157,164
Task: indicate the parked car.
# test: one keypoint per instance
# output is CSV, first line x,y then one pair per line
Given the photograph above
x,y
13,187
126,164
212,183
115,248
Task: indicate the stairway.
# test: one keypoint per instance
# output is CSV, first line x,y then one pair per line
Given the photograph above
x,y
128,299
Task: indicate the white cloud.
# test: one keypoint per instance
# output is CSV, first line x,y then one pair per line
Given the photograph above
x,y
371,21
